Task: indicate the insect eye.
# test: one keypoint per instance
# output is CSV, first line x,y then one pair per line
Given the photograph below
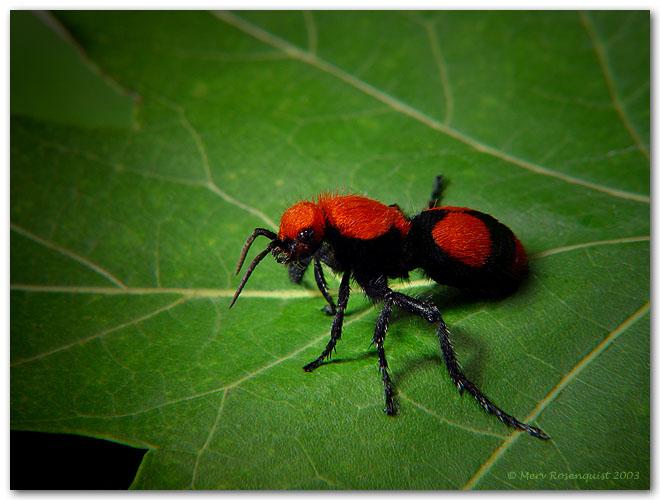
x,y
305,235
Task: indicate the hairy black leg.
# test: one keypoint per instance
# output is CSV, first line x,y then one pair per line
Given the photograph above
x,y
432,314
330,309
337,322
438,186
379,339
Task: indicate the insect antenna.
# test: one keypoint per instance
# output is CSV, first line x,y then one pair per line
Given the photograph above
x,y
253,264
260,231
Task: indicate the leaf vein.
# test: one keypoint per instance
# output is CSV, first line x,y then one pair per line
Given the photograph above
x,y
313,465
312,32
589,244
449,422
68,253
208,440
99,335
561,386
201,148
404,108
235,383
442,69
601,54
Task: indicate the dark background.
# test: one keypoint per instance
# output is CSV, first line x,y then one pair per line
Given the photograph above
x,y
44,461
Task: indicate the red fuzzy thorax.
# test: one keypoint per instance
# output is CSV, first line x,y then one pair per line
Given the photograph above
x,y
362,218
353,216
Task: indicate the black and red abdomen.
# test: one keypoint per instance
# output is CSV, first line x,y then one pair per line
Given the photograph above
x,y
466,249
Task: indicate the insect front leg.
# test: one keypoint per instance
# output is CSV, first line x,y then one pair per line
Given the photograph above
x,y
329,309
297,271
432,313
337,322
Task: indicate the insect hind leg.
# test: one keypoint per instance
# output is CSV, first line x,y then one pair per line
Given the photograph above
x,y
439,184
432,314
379,339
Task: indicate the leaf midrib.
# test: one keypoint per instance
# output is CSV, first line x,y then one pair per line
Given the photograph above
x,y
220,293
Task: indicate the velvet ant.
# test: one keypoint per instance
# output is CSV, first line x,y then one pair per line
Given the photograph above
x,y
371,242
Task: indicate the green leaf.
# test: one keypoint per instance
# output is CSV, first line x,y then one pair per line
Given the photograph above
x,y
50,79
124,241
